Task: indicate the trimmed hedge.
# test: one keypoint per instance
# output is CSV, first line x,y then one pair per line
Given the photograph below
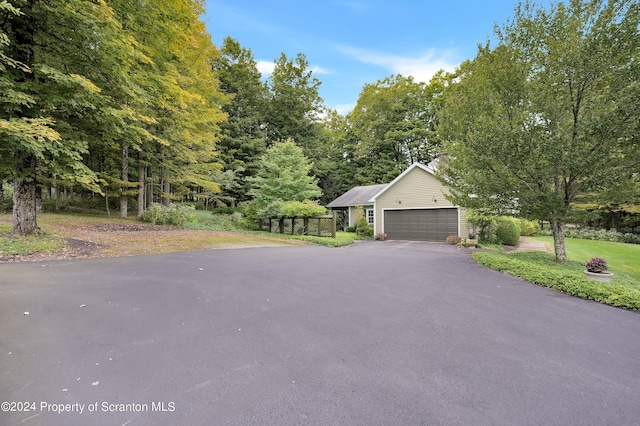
x,y
542,269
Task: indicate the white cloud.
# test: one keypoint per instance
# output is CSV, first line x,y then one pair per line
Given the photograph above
x,y
319,70
265,67
421,66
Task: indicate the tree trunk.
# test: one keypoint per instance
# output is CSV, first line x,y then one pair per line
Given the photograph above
x,y
615,220
165,189
24,197
141,175
557,227
125,178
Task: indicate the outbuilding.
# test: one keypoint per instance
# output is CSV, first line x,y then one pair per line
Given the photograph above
x,y
411,207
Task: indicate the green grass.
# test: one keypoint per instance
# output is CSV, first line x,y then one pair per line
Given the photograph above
x,y
11,245
542,269
208,221
341,239
621,257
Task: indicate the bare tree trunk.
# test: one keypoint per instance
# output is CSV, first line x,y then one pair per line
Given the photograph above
x,y
24,197
142,171
165,188
557,227
125,178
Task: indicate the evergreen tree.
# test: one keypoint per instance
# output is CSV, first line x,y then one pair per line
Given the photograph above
x,y
242,141
284,176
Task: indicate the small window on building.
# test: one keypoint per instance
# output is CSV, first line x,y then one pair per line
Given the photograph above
x,y
370,216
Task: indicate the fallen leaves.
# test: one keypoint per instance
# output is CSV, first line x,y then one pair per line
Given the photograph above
x,y
90,236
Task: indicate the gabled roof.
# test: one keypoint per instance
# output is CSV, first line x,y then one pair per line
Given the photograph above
x,y
429,169
357,196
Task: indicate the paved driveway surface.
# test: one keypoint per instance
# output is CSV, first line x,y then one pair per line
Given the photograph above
x,y
379,333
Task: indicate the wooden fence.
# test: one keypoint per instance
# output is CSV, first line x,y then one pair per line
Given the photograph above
x,y
322,226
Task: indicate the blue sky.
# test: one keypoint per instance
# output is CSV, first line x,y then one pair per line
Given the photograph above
x,y
349,43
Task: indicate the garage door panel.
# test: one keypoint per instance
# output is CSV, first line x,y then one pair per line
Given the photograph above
x,y
421,224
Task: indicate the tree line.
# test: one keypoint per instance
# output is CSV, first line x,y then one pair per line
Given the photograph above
x,y
132,101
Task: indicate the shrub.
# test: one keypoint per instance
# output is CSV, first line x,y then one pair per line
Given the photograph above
x,y
508,231
291,209
218,222
381,236
484,223
528,227
542,269
306,208
175,214
599,235
6,204
454,240
351,229
362,229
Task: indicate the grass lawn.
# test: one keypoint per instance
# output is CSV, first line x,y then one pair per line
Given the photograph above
x,y
209,221
341,239
621,257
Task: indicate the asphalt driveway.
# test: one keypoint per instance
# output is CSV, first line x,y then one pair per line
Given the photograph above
x,y
377,333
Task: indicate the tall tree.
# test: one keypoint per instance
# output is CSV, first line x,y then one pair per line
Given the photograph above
x,y
242,141
178,105
294,104
393,121
341,168
550,113
46,46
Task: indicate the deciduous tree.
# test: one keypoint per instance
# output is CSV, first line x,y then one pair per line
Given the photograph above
x,y
393,121
551,112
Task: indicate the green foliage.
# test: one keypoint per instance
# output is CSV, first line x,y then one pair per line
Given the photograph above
x,y
283,175
362,228
351,229
216,221
175,214
542,269
305,208
549,113
484,224
292,209
528,227
508,231
293,103
11,245
394,126
342,238
243,142
598,235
